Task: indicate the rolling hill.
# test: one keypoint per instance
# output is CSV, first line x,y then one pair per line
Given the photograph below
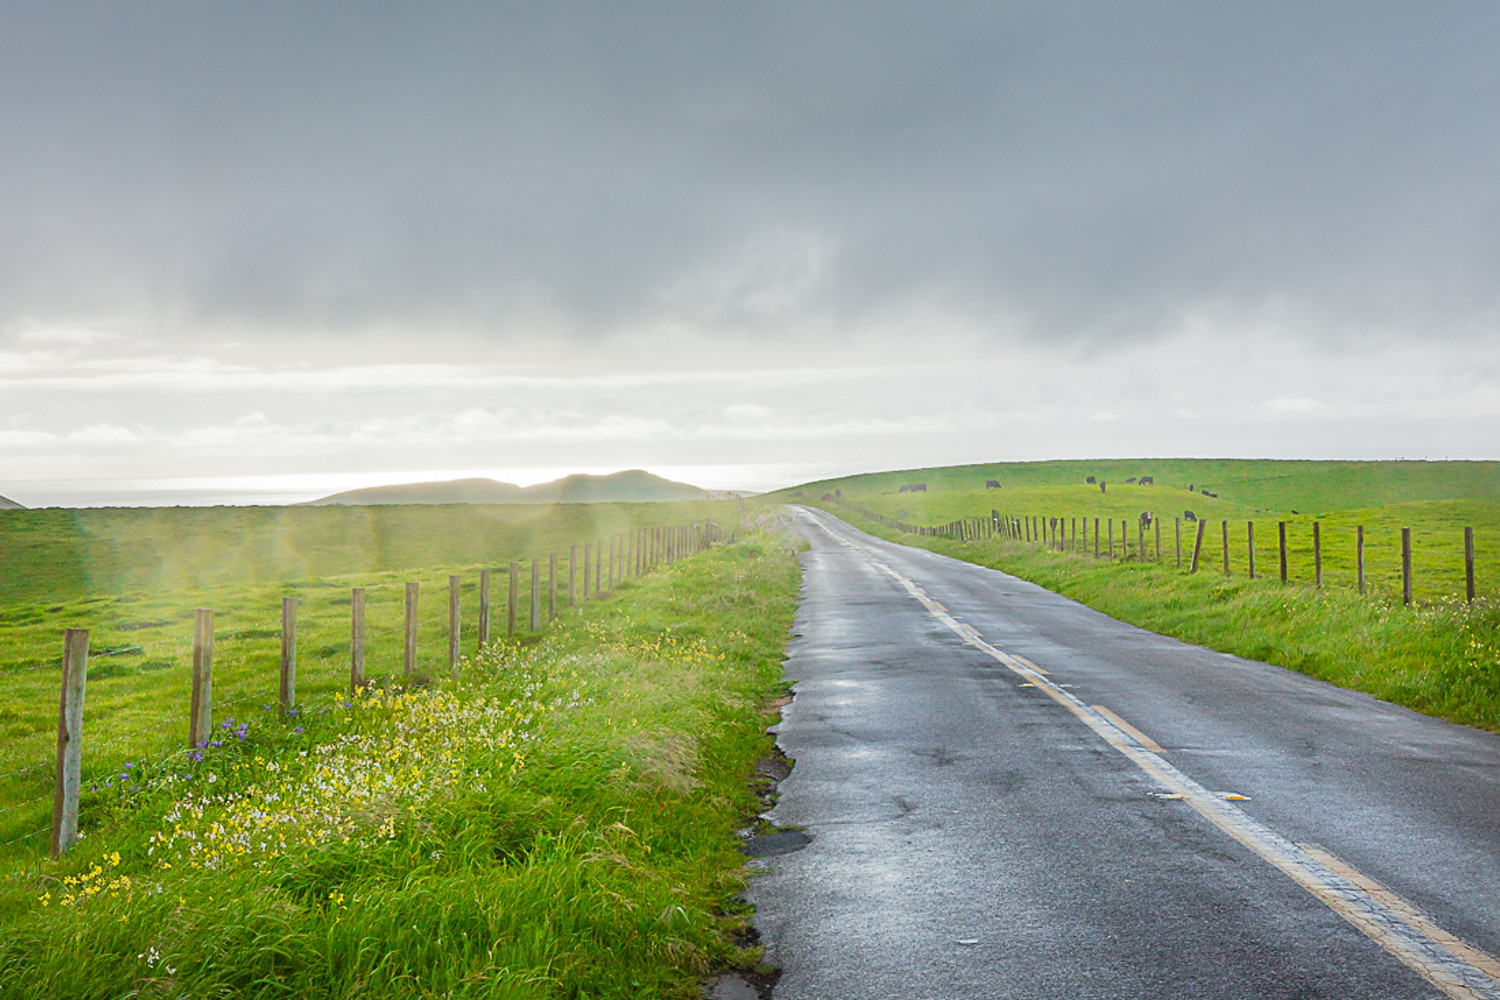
x,y
634,486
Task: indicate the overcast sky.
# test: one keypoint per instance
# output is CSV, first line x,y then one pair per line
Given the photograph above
x,y
312,238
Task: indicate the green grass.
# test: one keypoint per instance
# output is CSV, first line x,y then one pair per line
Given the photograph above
x,y
141,640
51,556
560,824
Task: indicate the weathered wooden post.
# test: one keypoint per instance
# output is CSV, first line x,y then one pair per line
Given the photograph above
x,y
409,660
1359,555
484,609
536,594
1250,545
1405,565
288,689
510,604
356,639
1281,545
1198,546
455,624
1318,554
573,576
75,672
1140,539
1224,528
200,718
551,585
1469,564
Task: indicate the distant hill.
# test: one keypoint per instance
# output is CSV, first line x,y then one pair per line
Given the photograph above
x,y
6,504
635,486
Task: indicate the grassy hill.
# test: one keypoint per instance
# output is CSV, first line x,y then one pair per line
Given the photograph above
x,y
634,486
1245,484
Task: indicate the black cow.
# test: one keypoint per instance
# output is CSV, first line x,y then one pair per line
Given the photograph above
x,y
913,488
1188,515
1147,480
1208,494
1090,480
1130,480
992,484
1102,484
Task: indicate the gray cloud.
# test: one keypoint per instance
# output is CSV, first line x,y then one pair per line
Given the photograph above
x,y
1060,170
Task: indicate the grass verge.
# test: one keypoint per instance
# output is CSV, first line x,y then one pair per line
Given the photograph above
x,y
560,824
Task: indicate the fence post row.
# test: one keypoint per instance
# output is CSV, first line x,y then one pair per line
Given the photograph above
x,y
75,671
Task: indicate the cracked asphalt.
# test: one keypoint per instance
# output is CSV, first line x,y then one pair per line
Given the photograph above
x,y
972,833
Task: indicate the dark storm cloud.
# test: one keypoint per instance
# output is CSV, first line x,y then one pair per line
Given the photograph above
x,y
1053,169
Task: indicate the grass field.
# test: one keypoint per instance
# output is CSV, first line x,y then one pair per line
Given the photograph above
x,y
1441,656
560,824
164,563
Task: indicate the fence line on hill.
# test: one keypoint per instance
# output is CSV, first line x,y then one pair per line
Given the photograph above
x,y
1061,534
629,555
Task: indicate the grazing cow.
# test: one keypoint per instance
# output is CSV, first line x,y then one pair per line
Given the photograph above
x,y
992,484
1146,519
1130,480
913,488
827,496
1148,480
838,493
1190,487
1102,484
1208,494
1090,480
905,488
1188,515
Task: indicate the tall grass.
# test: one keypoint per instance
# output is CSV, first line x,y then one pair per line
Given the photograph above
x,y
559,824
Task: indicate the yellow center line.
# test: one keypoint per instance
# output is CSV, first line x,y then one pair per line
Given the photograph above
x,y
1458,969
1140,737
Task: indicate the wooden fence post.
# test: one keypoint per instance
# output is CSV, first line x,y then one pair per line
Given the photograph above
x,y
455,622
573,576
1405,565
510,604
1469,564
551,585
356,639
409,660
1198,546
484,609
536,594
75,672
1224,529
1281,544
1140,539
1250,545
200,718
288,689
1318,554
1359,555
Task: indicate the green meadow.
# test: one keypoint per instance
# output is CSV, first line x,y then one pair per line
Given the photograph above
x,y
561,821
133,577
1441,655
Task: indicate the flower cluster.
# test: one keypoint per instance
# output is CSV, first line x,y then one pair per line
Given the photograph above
x,y
394,752
96,881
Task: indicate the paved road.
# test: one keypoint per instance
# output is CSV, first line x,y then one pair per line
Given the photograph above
x,y
979,829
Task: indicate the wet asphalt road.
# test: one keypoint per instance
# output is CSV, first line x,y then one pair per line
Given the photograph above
x,y
978,831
